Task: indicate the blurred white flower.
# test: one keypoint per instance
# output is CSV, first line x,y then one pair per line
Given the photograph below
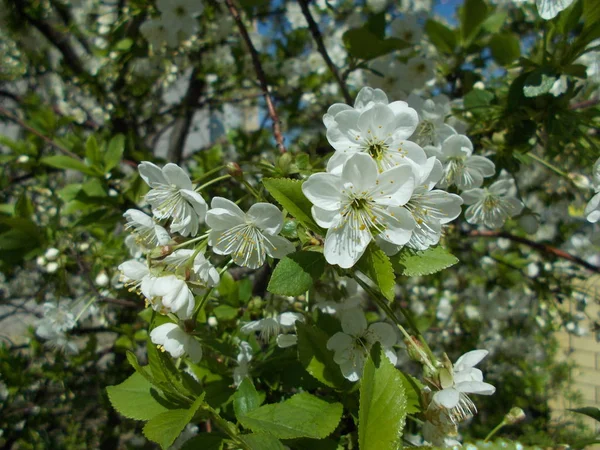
x,y
461,167
492,206
278,325
352,345
548,9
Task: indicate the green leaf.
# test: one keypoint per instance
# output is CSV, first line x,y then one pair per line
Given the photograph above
x,y
113,155
204,441
92,151
316,358
303,415
477,101
412,390
296,273
591,14
66,162
24,206
538,82
124,44
415,263
589,411
246,398
382,404
505,48
261,441
495,22
165,427
362,43
441,36
472,15
569,18
225,312
135,398
289,195
377,266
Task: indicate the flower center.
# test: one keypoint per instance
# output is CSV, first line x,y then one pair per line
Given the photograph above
x,y
425,133
180,11
377,149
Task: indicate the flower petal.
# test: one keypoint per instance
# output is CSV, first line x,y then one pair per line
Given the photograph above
x,y
177,176
323,190
469,359
359,174
266,217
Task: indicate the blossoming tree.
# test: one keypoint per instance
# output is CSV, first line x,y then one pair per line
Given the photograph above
x,y
266,225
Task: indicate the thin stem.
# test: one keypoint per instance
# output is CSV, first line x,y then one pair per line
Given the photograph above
x,y
260,73
547,164
318,37
14,118
494,431
191,241
538,246
427,359
213,181
209,173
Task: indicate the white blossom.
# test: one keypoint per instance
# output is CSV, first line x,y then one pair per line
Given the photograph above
x,y
57,320
461,167
360,205
149,233
242,370
592,209
432,129
457,381
430,208
381,131
202,271
492,206
549,9
407,28
171,338
351,346
156,33
248,237
172,196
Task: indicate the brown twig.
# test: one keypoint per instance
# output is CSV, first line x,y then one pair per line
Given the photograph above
x,y
318,37
585,104
538,246
10,116
260,74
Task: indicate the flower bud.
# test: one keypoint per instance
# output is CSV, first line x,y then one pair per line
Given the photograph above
x,y
51,254
235,170
161,252
515,415
415,350
102,279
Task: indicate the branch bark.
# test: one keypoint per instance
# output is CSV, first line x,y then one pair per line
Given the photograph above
x,y
260,73
538,246
182,124
318,37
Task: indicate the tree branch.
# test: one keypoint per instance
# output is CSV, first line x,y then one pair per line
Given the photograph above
x,y
10,116
538,246
182,124
260,74
318,37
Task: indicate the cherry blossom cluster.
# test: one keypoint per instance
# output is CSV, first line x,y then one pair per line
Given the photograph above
x,y
380,182
171,277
